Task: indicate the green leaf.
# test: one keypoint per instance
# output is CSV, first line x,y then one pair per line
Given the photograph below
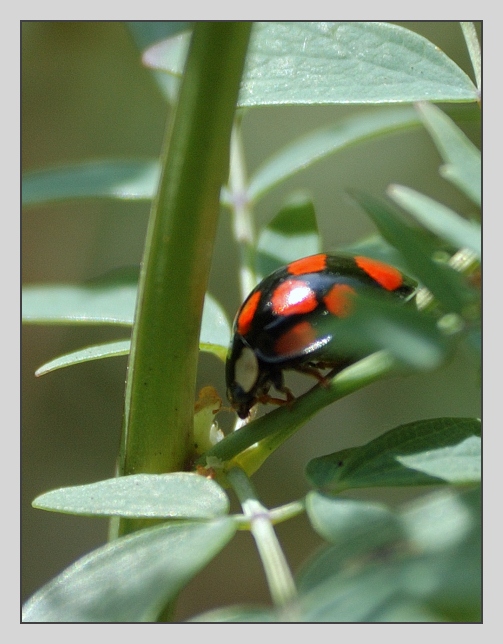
x,y
473,46
340,520
447,286
215,334
110,178
347,62
378,323
109,300
96,352
177,495
146,32
358,598
442,221
420,563
462,159
374,246
292,234
427,452
138,179
105,303
66,304
239,614
321,143
337,62
132,578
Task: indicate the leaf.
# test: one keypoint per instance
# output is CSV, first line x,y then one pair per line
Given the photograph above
x,y
292,234
110,178
418,563
345,520
110,299
215,335
462,159
319,144
96,352
178,495
100,303
146,32
214,338
137,179
427,452
239,614
473,46
338,62
132,578
376,247
442,221
377,323
447,286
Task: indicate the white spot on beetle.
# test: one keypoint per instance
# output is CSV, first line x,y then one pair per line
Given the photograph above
x,y
246,369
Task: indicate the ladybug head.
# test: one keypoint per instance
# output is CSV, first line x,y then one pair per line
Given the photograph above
x,y
247,377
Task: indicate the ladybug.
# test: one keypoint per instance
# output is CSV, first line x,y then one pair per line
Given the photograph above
x,y
282,324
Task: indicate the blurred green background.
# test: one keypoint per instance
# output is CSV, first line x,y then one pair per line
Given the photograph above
x,y
85,95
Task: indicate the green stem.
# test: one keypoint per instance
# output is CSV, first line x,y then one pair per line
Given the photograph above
x,y
160,388
249,447
242,217
279,577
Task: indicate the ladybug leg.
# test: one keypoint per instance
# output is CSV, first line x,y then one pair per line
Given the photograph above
x,y
279,385
266,399
314,371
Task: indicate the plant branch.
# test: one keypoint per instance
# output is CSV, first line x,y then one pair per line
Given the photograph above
x,y
160,388
279,577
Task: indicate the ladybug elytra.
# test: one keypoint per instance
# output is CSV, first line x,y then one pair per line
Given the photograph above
x,y
282,324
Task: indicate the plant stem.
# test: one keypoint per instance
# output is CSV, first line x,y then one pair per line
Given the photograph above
x,y
279,577
160,388
254,443
243,228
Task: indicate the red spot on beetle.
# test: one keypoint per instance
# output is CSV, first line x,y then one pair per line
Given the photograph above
x,y
295,339
293,297
246,314
338,300
312,264
385,275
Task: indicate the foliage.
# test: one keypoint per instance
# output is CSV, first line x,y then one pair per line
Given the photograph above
x,y
420,562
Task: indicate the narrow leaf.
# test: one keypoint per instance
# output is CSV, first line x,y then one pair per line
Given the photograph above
x,y
473,45
441,220
321,143
462,158
96,352
411,337
108,301
110,178
74,304
177,495
132,578
147,32
239,614
375,246
448,286
428,452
